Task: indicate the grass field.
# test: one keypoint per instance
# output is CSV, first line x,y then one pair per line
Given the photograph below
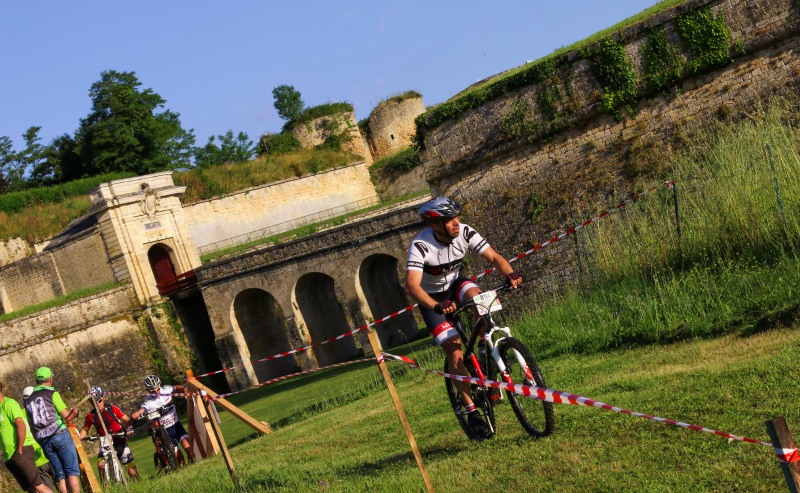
x,y
731,383
701,330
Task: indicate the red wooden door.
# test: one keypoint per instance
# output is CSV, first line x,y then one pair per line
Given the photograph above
x,y
161,264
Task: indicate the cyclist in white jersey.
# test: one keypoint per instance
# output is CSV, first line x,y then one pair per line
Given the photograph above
x,y
432,278
159,398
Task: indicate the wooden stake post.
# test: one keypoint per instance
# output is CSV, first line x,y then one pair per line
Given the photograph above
x,y
378,349
782,439
91,483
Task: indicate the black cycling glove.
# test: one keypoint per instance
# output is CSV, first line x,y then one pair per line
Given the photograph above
x,y
441,307
511,277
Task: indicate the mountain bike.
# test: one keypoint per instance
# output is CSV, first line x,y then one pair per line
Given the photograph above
x,y
164,457
499,354
112,468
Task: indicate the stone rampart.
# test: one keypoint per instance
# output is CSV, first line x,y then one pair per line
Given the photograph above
x,y
317,131
32,280
14,249
99,337
595,159
269,205
391,126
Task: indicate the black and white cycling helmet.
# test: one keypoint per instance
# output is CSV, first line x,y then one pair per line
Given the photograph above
x,y
152,382
440,208
97,393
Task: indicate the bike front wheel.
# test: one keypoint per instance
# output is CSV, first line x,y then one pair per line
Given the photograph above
x,y
168,449
479,398
113,468
535,416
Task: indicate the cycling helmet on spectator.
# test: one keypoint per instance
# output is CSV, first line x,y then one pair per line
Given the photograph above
x,y
152,382
440,208
97,393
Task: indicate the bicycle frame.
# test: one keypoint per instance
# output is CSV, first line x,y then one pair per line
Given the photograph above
x,y
491,339
505,355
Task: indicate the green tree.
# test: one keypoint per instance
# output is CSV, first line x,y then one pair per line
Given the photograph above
x,y
288,102
126,132
6,160
14,164
230,149
60,163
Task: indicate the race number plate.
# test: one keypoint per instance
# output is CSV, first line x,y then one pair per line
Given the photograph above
x,y
487,302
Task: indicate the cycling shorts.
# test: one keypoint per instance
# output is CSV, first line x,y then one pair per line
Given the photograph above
x,y
177,432
440,326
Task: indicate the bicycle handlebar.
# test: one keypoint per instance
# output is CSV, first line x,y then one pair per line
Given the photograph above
x,y
94,438
471,303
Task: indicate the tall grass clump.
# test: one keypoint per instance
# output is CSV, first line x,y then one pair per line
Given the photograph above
x,y
734,267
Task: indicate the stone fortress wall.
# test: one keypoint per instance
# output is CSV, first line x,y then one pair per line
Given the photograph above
x,y
316,131
275,203
391,126
585,167
390,129
102,338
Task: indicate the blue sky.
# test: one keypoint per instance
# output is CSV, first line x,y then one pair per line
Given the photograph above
x,y
216,63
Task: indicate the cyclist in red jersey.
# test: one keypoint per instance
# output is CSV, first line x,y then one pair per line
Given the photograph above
x,y
117,422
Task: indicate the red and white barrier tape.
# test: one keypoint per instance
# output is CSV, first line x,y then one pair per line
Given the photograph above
x,y
668,184
292,375
574,229
559,397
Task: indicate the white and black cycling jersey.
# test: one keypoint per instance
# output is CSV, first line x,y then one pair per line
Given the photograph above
x,y
163,402
440,262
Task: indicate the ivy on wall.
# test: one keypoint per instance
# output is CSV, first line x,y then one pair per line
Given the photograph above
x,y
529,75
662,61
705,37
610,65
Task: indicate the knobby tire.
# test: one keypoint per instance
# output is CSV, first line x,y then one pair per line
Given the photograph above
x,y
113,467
535,416
168,449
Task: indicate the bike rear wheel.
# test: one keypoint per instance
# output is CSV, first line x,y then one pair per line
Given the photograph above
x,y
535,416
479,397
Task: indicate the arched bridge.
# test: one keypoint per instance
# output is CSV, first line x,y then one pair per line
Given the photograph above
x,y
300,293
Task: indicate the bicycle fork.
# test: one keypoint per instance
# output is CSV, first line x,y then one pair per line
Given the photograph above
x,y
501,366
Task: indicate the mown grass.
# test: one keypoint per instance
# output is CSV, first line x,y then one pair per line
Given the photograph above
x,y
731,383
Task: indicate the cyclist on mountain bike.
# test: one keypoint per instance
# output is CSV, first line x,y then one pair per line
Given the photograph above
x,y
118,423
432,278
160,398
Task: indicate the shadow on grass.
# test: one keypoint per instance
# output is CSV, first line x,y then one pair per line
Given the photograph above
x,y
368,469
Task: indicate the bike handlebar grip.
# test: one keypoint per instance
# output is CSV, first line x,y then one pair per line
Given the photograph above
x,y
442,306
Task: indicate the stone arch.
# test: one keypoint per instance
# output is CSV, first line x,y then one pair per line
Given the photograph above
x,y
323,317
380,288
162,262
260,321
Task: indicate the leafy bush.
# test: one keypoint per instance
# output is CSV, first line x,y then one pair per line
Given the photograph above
x,y
278,143
404,160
